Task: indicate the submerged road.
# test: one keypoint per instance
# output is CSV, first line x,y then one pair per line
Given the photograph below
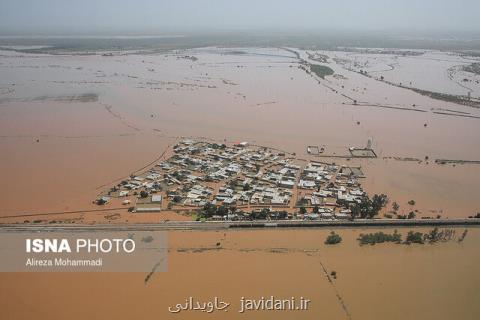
x,y
221,225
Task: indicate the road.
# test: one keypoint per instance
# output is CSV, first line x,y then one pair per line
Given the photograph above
x,y
222,225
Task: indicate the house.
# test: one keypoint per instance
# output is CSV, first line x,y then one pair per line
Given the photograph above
x,y
102,200
342,215
306,184
148,209
243,144
229,201
326,215
153,176
286,184
157,198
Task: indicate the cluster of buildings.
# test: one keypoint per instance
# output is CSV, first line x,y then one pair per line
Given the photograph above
x,y
246,178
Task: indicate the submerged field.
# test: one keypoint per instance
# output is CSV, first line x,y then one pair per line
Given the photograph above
x,y
393,281
72,124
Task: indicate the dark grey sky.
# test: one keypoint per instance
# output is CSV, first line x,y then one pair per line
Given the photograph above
x,y
65,16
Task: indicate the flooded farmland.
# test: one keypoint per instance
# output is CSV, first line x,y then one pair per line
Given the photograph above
x,y
74,124
394,281
89,120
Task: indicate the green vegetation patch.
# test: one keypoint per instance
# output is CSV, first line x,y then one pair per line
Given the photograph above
x,y
414,237
473,68
333,238
435,235
379,237
321,70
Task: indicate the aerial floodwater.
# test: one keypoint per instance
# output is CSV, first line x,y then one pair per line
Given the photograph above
x,y
207,140
73,122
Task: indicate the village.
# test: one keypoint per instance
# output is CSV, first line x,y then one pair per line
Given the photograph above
x,y
214,181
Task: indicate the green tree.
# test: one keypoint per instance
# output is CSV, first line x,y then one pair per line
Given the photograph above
x,y
282,215
260,215
209,210
333,238
379,237
368,208
433,235
379,201
414,237
222,210
232,184
395,206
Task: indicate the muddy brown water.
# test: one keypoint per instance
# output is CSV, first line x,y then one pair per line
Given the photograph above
x,y
145,101
84,146
391,281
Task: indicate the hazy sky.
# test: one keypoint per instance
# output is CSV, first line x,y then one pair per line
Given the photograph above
x,y
65,16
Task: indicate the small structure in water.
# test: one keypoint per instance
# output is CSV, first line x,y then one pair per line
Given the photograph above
x,y
362,152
